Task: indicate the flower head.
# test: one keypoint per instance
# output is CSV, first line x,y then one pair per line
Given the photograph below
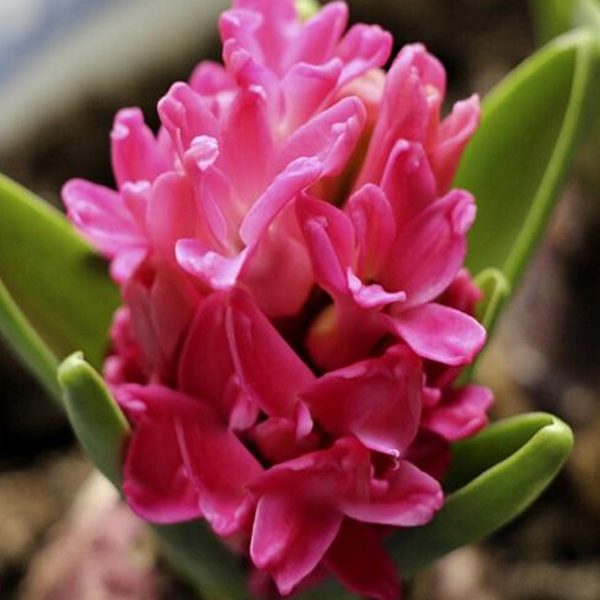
x,y
296,314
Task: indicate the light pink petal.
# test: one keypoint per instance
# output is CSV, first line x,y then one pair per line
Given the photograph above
x,y
378,401
186,115
319,36
375,227
372,296
280,292
330,137
296,177
440,333
242,26
247,143
291,536
359,561
125,263
404,113
269,370
136,154
100,215
155,482
220,467
454,134
306,87
172,214
408,181
363,48
210,78
330,241
405,498
431,249
461,414
216,270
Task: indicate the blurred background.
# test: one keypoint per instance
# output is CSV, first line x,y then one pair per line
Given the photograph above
x,y
66,66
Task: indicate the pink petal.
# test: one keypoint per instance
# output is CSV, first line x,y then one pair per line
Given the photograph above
x,y
329,236
100,215
210,78
155,482
306,87
319,36
373,220
430,453
363,48
215,270
247,143
291,536
205,366
431,249
440,333
220,467
136,154
405,498
242,25
462,293
269,370
185,115
372,296
359,561
461,414
172,214
377,400
330,137
454,134
277,440
408,181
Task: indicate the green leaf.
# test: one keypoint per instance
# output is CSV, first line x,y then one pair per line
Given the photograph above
x,y
553,17
57,281
495,476
517,162
495,289
27,344
99,424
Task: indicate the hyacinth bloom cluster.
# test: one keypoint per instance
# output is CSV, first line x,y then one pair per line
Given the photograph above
x,y
295,312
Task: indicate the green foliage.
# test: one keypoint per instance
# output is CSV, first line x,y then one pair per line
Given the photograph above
x,y
553,17
495,476
58,282
95,417
517,162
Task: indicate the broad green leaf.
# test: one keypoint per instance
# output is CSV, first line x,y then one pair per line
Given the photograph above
x,y
495,476
518,160
27,344
58,282
99,424
495,289
553,17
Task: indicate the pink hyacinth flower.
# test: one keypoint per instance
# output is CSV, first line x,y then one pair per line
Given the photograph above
x,y
296,313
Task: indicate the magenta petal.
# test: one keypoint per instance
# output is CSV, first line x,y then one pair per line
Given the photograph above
x,y
291,536
155,482
269,370
431,249
405,498
377,400
101,216
371,296
136,154
358,559
363,48
330,241
306,87
454,134
461,414
408,181
440,333
375,227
